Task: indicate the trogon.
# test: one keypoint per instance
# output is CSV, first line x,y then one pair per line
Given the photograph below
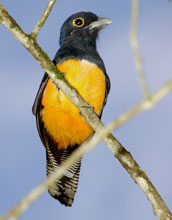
x,y
60,125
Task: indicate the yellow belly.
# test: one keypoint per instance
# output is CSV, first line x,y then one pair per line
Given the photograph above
x,y
61,118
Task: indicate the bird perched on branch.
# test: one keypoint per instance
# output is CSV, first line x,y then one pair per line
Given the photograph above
x,y
60,125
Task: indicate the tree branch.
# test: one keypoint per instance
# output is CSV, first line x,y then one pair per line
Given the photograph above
x,y
87,146
43,18
145,105
125,158
135,48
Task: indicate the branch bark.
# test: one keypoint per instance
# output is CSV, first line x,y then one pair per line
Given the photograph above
x,y
123,118
43,18
87,146
124,157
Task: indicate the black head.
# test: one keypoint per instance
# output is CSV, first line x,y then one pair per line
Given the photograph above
x,y
82,26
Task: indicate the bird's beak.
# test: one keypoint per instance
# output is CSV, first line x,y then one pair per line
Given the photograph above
x,y
100,23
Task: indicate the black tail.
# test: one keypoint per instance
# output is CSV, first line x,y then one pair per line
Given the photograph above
x,y
64,190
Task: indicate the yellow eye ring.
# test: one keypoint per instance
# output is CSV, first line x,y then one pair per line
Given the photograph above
x,y
78,22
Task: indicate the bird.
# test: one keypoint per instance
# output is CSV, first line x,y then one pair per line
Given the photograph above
x,y
61,126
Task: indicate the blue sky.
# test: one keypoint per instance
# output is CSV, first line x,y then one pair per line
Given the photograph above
x,y
105,189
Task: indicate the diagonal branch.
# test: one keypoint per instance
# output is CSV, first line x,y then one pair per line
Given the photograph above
x,y
135,49
43,18
144,105
87,146
125,158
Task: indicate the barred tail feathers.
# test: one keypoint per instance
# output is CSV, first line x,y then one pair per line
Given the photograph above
x,y
64,189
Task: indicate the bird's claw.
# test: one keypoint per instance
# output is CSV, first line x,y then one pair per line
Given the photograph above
x,y
87,106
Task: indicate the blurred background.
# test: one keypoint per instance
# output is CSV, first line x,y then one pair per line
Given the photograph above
x,y
105,189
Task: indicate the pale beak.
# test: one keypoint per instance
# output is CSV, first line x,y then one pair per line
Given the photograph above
x,y
100,23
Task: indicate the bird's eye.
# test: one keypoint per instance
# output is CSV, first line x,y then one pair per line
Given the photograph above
x,y
78,22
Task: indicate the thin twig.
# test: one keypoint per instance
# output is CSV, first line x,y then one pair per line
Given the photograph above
x,y
123,118
43,18
146,104
125,158
135,48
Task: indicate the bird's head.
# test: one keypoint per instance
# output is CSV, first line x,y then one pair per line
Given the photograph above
x,y
81,26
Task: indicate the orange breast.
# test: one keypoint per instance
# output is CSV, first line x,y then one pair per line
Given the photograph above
x,y
61,118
